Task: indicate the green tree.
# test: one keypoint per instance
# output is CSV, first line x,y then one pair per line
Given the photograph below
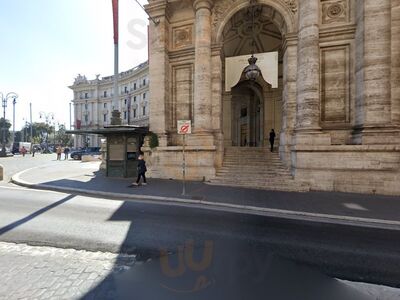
x,y
39,131
5,130
62,137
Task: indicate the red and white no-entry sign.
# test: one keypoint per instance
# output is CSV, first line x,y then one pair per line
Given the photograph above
x,y
184,127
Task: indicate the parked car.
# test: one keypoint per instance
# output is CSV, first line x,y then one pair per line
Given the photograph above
x,y
8,151
36,147
77,155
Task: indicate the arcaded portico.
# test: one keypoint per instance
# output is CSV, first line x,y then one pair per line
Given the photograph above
x,y
334,99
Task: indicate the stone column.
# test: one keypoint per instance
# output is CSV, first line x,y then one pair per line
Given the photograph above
x,y
377,54
308,71
158,68
395,72
373,104
308,130
289,97
216,103
202,69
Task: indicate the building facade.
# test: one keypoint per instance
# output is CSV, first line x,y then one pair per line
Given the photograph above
x,y
92,103
336,107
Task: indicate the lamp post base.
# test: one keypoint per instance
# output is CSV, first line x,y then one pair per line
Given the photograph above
x,y
116,117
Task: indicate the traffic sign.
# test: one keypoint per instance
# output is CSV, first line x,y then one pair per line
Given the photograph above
x,y
184,126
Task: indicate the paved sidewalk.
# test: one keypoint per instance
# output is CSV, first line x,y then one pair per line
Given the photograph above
x,y
74,176
29,272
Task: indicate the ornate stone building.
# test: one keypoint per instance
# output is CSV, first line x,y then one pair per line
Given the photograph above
x,y
336,107
93,102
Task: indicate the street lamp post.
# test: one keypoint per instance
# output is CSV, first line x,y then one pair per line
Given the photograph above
x,y
4,100
13,131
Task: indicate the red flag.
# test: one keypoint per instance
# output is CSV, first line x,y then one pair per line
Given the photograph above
x,y
115,17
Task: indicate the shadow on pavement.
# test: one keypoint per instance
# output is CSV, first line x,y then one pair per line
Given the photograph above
x,y
208,266
15,224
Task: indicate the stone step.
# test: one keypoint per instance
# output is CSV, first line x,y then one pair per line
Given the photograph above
x,y
287,188
260,159
254,172
255,168
260,163
255,180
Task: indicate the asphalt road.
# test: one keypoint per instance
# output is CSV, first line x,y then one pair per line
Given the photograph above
x,y
240,242
18,163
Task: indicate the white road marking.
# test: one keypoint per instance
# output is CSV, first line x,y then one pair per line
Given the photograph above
x,y
354,206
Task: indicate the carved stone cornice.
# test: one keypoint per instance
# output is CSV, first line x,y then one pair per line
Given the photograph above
x,y
158,9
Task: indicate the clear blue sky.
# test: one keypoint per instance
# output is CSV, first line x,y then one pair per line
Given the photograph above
x,y
46,43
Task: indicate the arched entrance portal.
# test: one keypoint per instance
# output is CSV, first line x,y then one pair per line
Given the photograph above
x,y
252,109
247,108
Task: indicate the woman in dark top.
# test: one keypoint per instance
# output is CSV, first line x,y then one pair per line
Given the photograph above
x,y
141,170
272,139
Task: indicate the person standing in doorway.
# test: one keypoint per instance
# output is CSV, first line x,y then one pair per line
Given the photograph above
x,y
141,170
272,139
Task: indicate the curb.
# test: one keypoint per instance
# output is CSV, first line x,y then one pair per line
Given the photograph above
x,y
220,206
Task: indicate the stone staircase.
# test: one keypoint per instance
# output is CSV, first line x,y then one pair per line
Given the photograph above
x,y
256,167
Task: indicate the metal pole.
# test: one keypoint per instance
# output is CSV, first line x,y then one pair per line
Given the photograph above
x,y
184,167
30,109
116,96
13,132
3,137
24,139
70,116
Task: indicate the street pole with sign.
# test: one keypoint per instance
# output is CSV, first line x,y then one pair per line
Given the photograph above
x,y
184,128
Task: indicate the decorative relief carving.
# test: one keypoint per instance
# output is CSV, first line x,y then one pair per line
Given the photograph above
x,y
219,10
182,36
292,5
221,7
334,11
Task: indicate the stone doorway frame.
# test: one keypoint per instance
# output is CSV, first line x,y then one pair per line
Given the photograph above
x,y
285,18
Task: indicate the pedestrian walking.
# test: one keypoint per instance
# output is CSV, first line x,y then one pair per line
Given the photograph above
x,y
23,151
272,139
58,151
141,170
66,151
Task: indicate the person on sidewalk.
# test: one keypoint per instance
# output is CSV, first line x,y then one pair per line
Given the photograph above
x,y
23,151
58,151
141,170
272,139
66,151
